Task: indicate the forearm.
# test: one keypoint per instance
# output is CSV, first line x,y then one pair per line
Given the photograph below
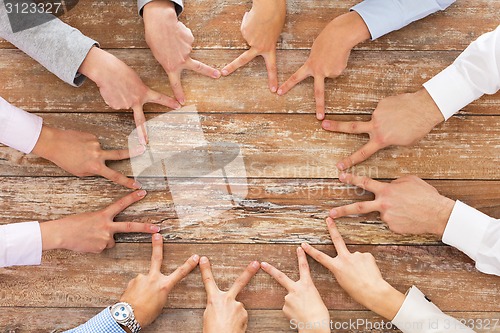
x,y
352,28
179,6
101,323
55,45
385,16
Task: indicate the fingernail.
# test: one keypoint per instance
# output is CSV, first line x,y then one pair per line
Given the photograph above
x,y
181,101
225,72
273,89
137,185
157,236
320,116
255,264
155,228
329,221
333,213
178,106
142,140
264,264
142,193
342,176
195,258
299,249
341,166
203,260
216,74
280,92
304,245
325,124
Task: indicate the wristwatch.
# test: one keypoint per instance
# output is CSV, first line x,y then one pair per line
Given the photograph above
x,y
123,314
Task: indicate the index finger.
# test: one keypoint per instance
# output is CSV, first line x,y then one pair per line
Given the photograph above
x,y
317,255
159,98
351,127
319,95
157,254
119,178
337,239
304,270
175,84
123,154
117,207
299,75
182,271
244,279
278,275
202,68
364,182
208,278
360,155
140,123
242,60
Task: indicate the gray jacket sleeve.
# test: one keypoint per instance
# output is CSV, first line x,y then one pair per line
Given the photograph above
x,y
55,45
179,6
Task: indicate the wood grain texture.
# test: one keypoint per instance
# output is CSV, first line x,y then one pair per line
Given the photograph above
x,y
369,77
13,320
275,210
216,24
68,279
273,146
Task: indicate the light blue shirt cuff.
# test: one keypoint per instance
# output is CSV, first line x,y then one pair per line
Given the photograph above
x,y
101,323
385,16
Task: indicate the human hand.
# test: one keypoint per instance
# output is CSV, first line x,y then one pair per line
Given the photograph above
x,y
303,304
171,43
147,294
329,55
358,274
122,88
408,205
398,120
93,232
80,154
261,28
223,312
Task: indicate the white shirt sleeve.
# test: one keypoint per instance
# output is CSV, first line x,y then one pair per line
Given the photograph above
x,y
20,244
477,235
18,128
419,315
474,73
384,16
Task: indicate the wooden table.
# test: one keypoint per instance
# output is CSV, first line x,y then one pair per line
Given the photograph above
x,y
290,164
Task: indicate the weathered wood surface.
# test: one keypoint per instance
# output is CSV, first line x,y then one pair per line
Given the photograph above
x,y
216,24
275,210
68,279
44,320
275,145
369,77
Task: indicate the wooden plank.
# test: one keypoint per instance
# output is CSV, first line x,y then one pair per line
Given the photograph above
x,y
68,279
191,321
295,146
217,25
370,77
275,210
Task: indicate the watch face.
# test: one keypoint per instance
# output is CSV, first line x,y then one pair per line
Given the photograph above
x,y
121,312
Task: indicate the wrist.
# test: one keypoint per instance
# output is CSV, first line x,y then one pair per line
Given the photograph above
x,y
45,143
443,214
51,235
165,7
430,109
386,300
352,28
95,65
